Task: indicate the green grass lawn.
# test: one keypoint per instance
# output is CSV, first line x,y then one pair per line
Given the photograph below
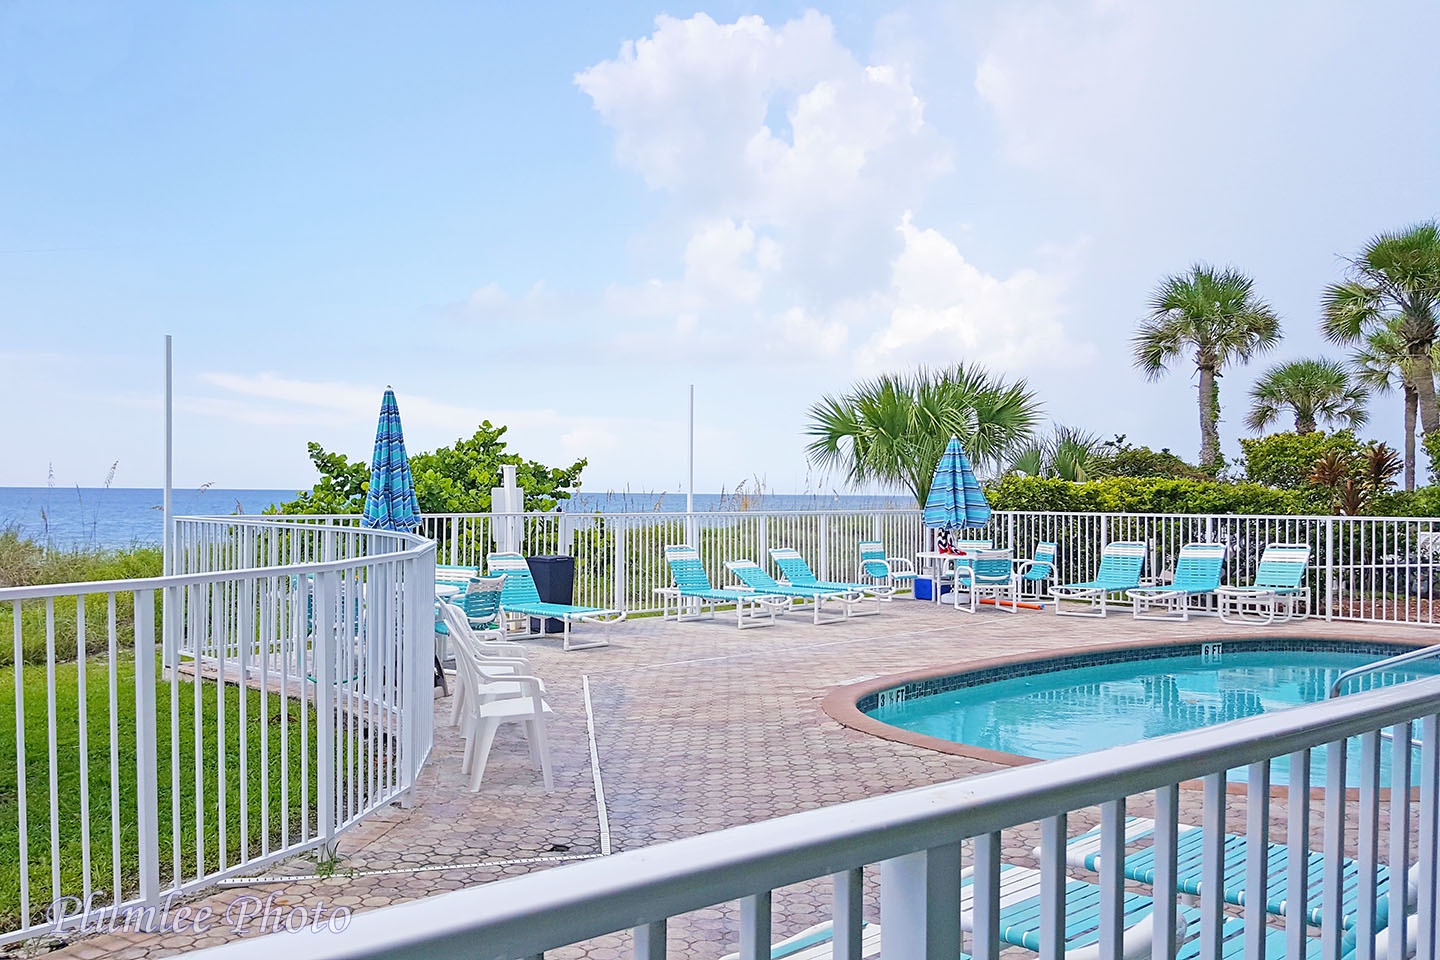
x,y
245,825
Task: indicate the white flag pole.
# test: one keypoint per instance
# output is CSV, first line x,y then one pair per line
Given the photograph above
x,y
168,543
167,550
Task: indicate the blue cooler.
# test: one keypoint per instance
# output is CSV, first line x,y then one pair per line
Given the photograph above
x,y
925,588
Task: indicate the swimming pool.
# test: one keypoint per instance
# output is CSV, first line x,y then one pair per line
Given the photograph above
x,y
1059,707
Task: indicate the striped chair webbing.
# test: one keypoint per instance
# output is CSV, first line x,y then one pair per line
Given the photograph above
x,y
1199,567
1282,566
686,568
1121,562
1043,562
519,584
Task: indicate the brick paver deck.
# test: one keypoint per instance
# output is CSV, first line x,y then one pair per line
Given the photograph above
x,y
699,727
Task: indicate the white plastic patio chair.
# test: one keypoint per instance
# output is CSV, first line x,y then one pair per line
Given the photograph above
x,y
496,699
499,658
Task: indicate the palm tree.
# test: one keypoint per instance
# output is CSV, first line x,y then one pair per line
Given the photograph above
x,y
1394,286
1314,390
1382,362
1215,317
1064,454
893,429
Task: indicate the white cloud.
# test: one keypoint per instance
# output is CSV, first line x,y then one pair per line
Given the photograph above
x,y
788,164
724,261
1105,90
1061,78
943,309
813,335
492,305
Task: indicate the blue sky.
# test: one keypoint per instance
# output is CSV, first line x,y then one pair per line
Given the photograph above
x,y
558,216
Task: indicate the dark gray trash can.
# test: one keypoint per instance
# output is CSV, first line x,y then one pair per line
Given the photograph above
x,y
554,577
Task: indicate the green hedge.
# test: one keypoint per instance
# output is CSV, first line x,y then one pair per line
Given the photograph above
x,y
1424,502
1150,495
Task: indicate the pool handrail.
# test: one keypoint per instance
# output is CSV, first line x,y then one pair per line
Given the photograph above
x,y
1410,656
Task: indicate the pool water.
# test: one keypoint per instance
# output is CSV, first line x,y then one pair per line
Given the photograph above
x,y
1080,709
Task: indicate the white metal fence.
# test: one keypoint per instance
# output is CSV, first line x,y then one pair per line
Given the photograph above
x,y
1380,569
939,853
172,731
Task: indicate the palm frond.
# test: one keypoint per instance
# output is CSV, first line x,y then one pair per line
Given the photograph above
x,y
1315,390
893,428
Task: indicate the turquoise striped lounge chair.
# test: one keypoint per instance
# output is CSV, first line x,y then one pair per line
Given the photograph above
x,y
1276,593
519,598
1083,852
795,570
1036,570
1197,574
894,572
753,577
1020,913
693,592
1120,565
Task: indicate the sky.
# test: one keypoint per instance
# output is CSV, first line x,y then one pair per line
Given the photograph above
x,y
558,217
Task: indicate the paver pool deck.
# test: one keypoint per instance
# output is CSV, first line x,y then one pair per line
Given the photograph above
x,y
698,727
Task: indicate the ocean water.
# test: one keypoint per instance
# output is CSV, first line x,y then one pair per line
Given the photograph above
x,y
93,517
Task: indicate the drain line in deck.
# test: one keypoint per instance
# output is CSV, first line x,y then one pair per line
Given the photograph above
x,y
391,871
603,817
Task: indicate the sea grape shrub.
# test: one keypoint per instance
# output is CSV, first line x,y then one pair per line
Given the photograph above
x,y
454,479
1287,460
1116,458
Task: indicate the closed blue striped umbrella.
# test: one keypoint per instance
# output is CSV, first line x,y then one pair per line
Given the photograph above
x,y
391,503
955,498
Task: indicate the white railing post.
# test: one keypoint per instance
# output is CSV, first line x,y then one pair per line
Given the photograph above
x,y
1428,853
985,891
147,764
418,576
649,941
824,546
849,889
322,670
1052,888
1167,806
619,567
755,927
1329,534
920,904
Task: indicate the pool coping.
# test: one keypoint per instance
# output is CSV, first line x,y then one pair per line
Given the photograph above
x,y
841,703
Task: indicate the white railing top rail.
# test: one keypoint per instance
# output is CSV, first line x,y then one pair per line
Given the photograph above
x,y
528,915
405,545
310,518
296,522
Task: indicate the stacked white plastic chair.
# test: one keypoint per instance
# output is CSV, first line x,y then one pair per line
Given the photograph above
x,y
498,690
